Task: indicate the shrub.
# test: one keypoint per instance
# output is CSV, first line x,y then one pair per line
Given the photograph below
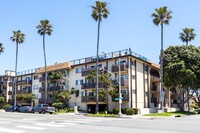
x,y
58,106
6,106
2,99
194,106
129,111
115,110
135,111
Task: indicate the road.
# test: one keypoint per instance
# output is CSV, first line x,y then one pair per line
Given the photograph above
x,y
46,123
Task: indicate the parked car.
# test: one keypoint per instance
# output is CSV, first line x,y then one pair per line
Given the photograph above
x,y
12,108
43,108
25,109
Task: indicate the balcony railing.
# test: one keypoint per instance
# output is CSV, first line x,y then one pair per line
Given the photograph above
x,y
91,85
90,99
9,92
123,67
124,82
25,91
26,81
50,89
48,100
42,79
109,56
87,71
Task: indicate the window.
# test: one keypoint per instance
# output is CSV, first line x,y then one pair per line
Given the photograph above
x,y
124,77
91,94
78,70
123,62
123,92
82,93
79,82
133,63
35,77
145,68
35,87
133,77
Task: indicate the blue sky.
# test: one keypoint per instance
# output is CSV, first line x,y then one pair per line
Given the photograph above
x,y
128,25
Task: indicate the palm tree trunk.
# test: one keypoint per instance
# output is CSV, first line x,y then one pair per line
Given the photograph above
x,y
186,43
15,82
161,63
97,64
45,68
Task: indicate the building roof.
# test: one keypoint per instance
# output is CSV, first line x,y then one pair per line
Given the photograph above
x,y
60,66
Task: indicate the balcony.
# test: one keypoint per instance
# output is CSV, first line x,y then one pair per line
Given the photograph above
x,y
9,92
123,67
124,82
50,89
25,91
1,82
26,81
90,99
42,79
87,71
91,85
48,100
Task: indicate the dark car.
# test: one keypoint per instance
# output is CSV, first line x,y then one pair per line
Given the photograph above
x,y
25,109
12,108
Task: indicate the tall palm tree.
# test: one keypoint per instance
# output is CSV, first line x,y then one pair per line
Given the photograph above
x,y
161,17
99,11
1,48
18,37
187,35
45,28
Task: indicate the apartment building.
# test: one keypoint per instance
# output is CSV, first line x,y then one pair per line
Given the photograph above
x,y
140,82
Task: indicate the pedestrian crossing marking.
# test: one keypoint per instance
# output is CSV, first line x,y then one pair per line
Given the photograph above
x,y
31,127
10,130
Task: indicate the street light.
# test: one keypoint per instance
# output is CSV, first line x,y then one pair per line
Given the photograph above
x,y
119,82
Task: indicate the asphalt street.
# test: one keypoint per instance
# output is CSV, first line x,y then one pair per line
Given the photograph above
x,y
46,123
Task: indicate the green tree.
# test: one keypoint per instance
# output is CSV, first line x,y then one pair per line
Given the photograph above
x,y
25,97
18,37
63,96
99,11
187,35
2,99
45,28
1,48
105,83
182,71
161,17
56,77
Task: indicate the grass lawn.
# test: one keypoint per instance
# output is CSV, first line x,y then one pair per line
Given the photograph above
x,y
61,111
103,115
177,113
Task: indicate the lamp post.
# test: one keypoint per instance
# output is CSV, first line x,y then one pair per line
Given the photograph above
x,y
120,93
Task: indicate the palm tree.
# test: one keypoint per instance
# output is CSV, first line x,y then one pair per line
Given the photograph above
x,y
187,35
161,17
99,11
45,28
1,48
18,37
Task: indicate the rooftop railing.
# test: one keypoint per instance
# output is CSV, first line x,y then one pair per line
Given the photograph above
x,y
108,56
30,71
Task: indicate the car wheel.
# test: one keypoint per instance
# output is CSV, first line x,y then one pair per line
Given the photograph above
x,y
32,111
50,112
43,112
